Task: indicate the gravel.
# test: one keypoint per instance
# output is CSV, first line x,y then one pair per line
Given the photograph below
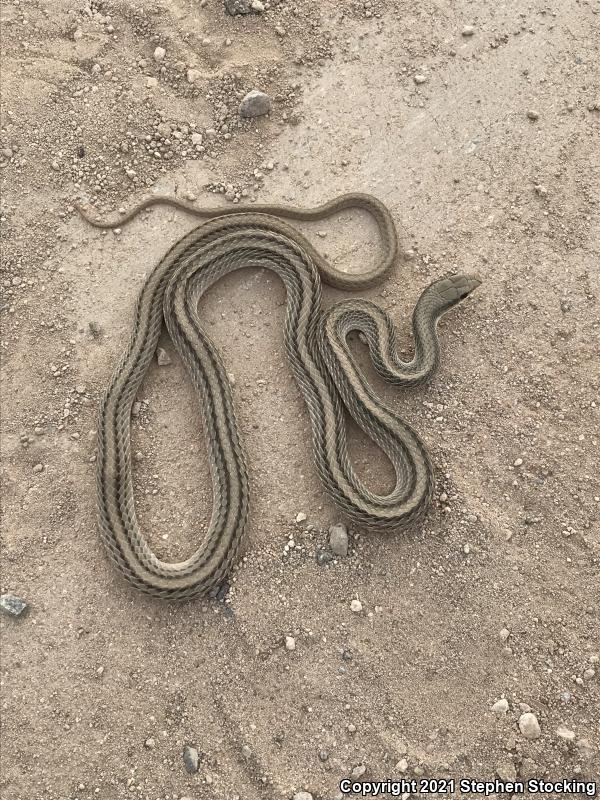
x,y
529,726
13,605
338,539
255,104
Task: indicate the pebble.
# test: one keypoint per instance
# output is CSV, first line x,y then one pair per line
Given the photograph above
x,y
190,759
358,771
506,771
290,643
162,357
402,765
356,606
38,468
338,539
255,104
257,6
301,517
303,796
150,743
500,706
193,75
533,114
323,557
196,139
564,733
589,674
468,30
419,79
159,53
12,605
504,634
151,83
529,726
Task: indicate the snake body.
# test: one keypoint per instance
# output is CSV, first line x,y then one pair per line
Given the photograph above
x,y
320,358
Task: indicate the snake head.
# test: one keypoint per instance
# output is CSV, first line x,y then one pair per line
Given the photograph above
x,y
454,288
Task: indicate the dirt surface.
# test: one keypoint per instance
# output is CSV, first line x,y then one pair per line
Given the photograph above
x,y
485,143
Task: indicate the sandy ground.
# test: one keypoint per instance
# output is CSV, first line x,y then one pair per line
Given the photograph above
x,y
491,164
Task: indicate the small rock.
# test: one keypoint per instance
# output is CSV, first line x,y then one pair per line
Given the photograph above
x,y
500,706
589,673
159,54
504,634
78,34
323,557
419,79
246,752
506,771
150,743
38,468
468,30
529,726
193,75
162,357
151,83
356,606
290,643
12,605
564,733
358,771
190,759
257,6
301,517
234,7
402,765
533,114
303,796
196,139
518,462
255,104
338,539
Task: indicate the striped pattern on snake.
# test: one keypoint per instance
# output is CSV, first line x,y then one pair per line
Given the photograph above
x,y
321,361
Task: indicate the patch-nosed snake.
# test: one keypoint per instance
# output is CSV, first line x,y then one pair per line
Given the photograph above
x,y
320,358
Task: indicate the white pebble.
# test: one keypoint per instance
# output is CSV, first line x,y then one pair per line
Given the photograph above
x,y
159,53
564,733
290,643
500,706
356,606
529,726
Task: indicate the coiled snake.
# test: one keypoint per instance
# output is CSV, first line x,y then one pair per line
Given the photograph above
x,y
323,365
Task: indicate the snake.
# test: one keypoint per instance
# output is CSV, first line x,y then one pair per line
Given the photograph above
x,y
318,348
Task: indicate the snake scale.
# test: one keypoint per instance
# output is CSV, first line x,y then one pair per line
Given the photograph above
x,y
321,361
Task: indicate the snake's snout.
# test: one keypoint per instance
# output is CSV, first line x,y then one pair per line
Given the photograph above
x,y
471,282
455,288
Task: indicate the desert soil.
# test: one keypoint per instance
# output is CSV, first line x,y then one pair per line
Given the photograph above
x,y
479,125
